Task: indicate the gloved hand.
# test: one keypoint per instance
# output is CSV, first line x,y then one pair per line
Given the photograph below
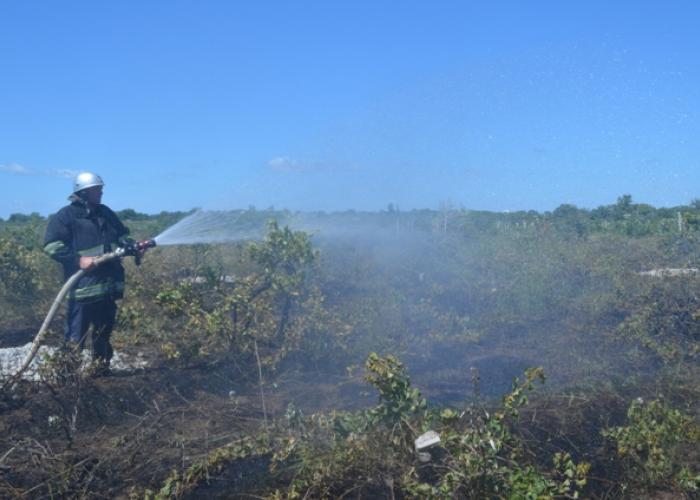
x,y
87,263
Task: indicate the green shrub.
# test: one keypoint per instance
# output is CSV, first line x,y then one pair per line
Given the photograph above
x,y
654,447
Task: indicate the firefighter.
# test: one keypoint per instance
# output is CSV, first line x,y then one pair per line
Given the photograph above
x,y
76,235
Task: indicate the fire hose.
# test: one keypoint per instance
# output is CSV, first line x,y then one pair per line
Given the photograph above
x,y
135,249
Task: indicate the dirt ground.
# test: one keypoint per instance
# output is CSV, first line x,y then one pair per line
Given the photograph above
x,y
120,435
72,436
109,437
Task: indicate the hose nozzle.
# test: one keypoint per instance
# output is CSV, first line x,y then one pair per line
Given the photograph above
x,y
137,248
145,244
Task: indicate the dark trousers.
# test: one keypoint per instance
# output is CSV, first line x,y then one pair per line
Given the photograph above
x,y
101,315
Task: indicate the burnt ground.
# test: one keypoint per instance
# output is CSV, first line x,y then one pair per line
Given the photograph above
x,y
107,437
120,435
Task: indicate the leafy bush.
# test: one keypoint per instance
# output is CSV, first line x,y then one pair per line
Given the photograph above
x,y
269,305
654,447
664,316
25,279
371,452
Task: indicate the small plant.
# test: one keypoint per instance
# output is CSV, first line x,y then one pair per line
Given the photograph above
x,y
653,446
178,484
63,376
483,459
399,401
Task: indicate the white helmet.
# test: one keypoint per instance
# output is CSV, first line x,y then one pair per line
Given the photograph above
x,y
86,180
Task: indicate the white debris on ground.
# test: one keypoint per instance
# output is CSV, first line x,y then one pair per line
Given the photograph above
x,y
430,438
201,279
669,272
11,359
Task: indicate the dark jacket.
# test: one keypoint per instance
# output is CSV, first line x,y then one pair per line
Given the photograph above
x,y
76,231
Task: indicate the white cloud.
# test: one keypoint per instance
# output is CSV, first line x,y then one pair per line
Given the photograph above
x,y
14,168
285,164
17,169
62,172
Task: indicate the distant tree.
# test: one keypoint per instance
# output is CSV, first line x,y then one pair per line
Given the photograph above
x,y
565,210
624,201
131,214
571,219
23,218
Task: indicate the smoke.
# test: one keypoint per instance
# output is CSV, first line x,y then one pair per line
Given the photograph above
x,y
449,294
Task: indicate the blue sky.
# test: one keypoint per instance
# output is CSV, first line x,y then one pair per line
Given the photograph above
x,y
334,105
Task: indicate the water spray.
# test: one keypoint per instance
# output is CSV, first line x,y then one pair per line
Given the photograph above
x,y
198,227
208,227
